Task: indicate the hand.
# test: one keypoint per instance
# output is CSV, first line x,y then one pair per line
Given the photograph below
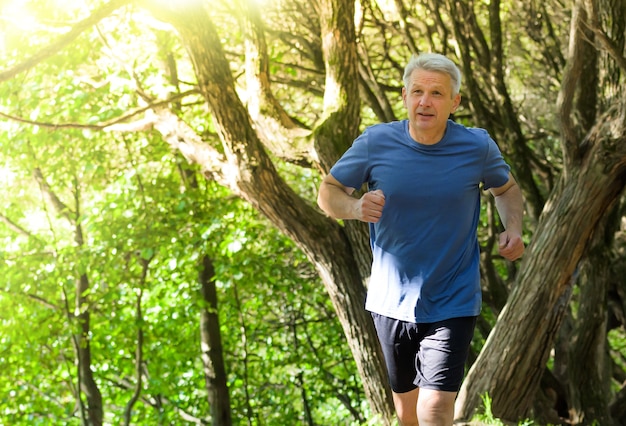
x,y
511,245
370,207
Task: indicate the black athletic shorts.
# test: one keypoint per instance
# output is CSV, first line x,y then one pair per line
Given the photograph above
x,y
425,355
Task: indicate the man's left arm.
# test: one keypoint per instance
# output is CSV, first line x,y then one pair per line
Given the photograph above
x,y
510,206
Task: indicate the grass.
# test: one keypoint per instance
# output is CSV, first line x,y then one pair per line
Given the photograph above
x,y
488,419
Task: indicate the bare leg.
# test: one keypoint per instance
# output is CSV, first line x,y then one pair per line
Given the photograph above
x,y
435,408
406,407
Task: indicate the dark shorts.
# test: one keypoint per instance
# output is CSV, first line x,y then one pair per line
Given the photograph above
x,y
426,355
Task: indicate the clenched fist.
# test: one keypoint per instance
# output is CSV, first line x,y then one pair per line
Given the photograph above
x,y
511,246
370,207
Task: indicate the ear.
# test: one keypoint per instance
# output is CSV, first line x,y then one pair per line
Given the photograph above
x,y
404,96
456,102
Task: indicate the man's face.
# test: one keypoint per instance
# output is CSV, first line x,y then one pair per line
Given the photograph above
x,y
429,103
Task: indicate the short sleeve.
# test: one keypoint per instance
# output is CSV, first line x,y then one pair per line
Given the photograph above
x,y
496,170
352,169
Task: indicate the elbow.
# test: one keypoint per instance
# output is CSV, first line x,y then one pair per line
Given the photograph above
x,y
321,199
320,202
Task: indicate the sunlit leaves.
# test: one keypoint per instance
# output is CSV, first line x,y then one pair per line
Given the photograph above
x,y
134,209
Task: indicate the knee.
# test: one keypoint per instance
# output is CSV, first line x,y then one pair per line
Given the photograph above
x,y
407,416
436,408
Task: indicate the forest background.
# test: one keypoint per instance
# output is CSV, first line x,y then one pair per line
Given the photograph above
x,y
163,260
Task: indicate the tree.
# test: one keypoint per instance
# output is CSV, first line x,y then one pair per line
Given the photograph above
x,y
590,184
283,92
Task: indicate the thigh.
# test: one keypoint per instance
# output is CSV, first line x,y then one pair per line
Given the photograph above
x,y
400,343
440,363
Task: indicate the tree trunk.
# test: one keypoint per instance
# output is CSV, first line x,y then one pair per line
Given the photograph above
x,y
211,348
83,355
588,362
587,367
81,338
251,174
513,359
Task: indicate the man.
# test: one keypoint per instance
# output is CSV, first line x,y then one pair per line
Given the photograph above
x,y
424,177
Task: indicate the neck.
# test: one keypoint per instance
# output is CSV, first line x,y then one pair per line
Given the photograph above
x,y
426,138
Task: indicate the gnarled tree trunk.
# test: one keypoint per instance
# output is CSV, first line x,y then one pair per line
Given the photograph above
x,y
511,364
249,172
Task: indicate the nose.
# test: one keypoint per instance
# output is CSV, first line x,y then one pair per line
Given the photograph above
x,y
424,100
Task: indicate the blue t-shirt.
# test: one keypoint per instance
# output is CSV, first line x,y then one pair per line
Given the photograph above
x,y
425,249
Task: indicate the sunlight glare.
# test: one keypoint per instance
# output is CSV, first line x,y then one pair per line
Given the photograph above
x,y
261,3
7,176
389,9
17,14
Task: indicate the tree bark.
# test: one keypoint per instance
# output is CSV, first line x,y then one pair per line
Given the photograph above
x,y
251,174
87,382
211,348
588,364
81,339
512,361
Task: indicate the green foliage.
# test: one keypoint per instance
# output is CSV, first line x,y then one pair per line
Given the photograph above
x,y
290,348
135,219
144,229
487,417
617,344
282,342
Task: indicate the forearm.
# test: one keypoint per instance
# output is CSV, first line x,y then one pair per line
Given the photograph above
x,y
510,206
336,202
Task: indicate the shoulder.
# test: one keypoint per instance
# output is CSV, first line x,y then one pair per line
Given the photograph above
x,y
393,126
476,137
474,133
384,134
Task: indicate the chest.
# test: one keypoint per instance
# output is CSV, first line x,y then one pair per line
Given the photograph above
x,y
434,177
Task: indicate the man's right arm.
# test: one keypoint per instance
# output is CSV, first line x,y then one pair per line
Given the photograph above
x,y
337,201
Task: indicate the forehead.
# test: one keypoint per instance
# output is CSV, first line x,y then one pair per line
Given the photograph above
x,y
431,79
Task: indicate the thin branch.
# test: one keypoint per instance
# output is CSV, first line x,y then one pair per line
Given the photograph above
x,y
110,125
129,70
156,404
36,298
605,41
64,40
14,226
43,301
52,197
139,351
571,77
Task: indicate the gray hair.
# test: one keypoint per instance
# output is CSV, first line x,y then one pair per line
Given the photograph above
x,y
433,62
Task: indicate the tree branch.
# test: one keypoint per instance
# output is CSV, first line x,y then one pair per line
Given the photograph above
x,y
605,41
139,351
180,136
571,76
286,137
115,124
124,384
14,226
36,298
64,40
51,196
